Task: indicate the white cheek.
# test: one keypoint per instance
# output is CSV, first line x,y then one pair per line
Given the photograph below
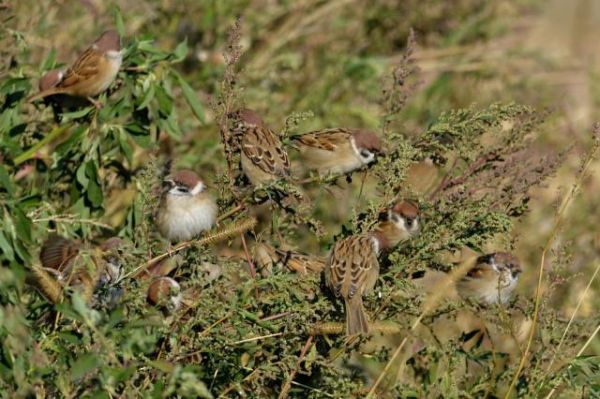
x,y
198,188
364,160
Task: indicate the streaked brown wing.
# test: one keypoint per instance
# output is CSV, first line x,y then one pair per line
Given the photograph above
x,y
300,262
84,68
351,261
265,150
327,140
57,252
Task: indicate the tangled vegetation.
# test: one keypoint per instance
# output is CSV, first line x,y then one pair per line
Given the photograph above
x,y
91,173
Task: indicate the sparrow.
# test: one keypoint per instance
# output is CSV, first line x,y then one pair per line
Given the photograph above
x,y
492,278
165,292
185,209
353,266
263,157
63,259
267,256
337,150
91,74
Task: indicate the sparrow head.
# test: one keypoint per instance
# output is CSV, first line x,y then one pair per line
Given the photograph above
x,y
109,42
504,264
405,216
51,79
244,119
492,278
165,292
184,183
367,144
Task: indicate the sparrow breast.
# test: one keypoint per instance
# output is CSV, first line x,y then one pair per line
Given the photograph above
x,y
183,217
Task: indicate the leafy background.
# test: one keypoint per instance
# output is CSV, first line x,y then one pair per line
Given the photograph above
x,y
305,65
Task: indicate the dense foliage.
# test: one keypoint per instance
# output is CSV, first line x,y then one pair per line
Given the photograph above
x,y
90,173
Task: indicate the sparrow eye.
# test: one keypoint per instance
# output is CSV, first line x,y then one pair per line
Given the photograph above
x,y
365,153
182,189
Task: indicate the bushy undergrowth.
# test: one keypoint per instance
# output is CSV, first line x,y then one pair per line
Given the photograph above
x,y
90,173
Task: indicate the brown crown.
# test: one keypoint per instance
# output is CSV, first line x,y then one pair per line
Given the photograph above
x,y
187,178
502,258
367,140
162,289
109,41
406,208
50,79
247,116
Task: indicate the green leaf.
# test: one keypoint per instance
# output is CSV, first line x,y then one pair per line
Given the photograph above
x,y
6,248
84,364
23,225
5,181
81,176
125,146
165,102
148,96
180,51
191,98
50,60
77,114
119,21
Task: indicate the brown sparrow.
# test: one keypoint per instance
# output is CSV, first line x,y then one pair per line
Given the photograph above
x,y
263,157
91,74
492,279
353,266
186,209
266,256
338,150
61,257
166,293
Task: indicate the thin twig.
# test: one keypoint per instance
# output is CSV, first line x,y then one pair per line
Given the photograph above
x,y
583,348
257,338
72,220
231,212
538,291
288,383
562,339
248,257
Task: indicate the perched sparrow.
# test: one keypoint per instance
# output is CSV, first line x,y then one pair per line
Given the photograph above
x,y
263,157
266,256
492,279
90,75
165,292
353,265
186,209
337,151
